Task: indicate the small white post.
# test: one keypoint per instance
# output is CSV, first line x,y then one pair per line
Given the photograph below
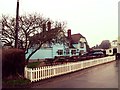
x,y
48,71
35,72
31,75
43,72
69,68
54,71
25,72
40,73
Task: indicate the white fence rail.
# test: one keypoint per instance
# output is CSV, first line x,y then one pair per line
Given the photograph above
x,y
37,74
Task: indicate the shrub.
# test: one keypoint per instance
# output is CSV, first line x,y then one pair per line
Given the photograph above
x,y
13,62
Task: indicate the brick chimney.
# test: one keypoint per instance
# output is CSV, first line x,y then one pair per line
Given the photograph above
x,y
49,25
69,34
69,37
44,27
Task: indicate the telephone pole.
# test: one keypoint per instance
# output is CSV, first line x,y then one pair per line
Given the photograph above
x,y
17,25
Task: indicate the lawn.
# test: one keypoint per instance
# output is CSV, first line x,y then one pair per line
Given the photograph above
x,y
13,83
33,64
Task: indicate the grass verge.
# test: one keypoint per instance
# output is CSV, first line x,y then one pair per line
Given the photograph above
x,y
12,83
33,64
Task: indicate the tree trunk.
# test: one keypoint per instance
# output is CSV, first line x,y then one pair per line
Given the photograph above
x,y
32,54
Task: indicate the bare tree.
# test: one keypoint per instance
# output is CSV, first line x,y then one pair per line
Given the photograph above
x,y
48,36
8,30
34,31
105,44
27,25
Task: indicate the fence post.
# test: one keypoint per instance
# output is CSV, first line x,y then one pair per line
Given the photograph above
x,y
54,71
31,75
48,71
81,65
70,67
43,72
25,72
38,73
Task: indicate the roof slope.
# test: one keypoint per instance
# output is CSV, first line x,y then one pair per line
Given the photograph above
x,y
76,37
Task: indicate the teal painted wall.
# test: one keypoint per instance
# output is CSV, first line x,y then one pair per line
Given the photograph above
x,y
52,52
47,52
77,46
57,47
41,54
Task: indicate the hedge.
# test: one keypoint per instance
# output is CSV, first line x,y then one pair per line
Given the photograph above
x,y
13,62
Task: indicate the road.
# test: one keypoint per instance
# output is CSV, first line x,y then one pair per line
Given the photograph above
x,y
101,76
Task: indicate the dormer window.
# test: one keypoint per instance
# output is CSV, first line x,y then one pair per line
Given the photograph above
x,y
81,44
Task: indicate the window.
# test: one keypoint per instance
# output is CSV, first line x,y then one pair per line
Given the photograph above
x,y
60,52
67,51
81,51
81,45
110,51
73,52
78,51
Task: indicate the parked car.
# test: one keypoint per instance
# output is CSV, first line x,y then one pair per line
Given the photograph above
x,y
87,56
91,55
74,58
98,54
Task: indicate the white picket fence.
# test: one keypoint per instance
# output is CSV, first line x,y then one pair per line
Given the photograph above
x,y
37,74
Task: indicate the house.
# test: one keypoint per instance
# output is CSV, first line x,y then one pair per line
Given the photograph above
x,y
48,52
76,45
113,49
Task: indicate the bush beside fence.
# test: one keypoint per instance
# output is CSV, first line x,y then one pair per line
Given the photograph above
x,y
13,62
45,72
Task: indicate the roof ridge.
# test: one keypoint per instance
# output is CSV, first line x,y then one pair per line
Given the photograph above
x,y
76,34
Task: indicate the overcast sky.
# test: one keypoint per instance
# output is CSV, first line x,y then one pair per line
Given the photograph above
x,y
97,20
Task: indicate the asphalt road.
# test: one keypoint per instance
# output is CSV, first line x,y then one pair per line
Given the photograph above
x,y
102,76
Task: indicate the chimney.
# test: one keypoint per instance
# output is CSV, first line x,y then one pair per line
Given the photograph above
x,y
69,37
49,25
69,34
44,27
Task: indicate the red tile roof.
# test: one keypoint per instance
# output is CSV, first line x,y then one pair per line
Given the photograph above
x,y
76,37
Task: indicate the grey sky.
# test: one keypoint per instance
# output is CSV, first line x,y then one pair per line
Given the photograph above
x,y
97,20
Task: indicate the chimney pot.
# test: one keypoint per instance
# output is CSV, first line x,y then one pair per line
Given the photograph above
x,y
49,25
44,27
69,33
